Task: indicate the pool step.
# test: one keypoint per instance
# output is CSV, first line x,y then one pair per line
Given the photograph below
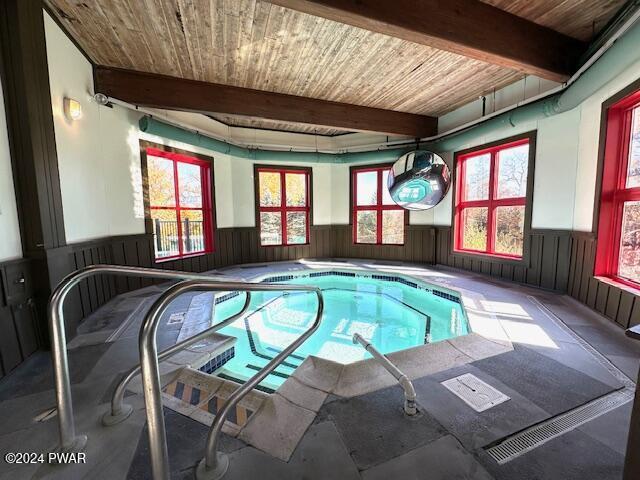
x,y
293,355
275,373
268,358
240,381
293,361
200,396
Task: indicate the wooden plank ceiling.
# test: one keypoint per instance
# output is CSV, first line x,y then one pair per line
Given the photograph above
x,y
174,93
255,44
266,124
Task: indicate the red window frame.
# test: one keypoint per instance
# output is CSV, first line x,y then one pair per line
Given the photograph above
x,y
283,208
378,207
614,193
491,203
207,216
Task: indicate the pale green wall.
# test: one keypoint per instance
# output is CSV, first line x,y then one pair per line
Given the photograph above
x,y
10,246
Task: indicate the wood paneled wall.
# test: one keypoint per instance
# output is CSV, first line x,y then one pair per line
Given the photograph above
x,y
547,265
19,328
419,245
232,246
558,260
619,304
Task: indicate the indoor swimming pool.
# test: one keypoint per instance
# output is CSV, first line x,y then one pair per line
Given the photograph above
x,y
391,312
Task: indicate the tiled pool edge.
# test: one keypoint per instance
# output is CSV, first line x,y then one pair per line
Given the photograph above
x,y
484,324
306,273
326,377
417,284
320,375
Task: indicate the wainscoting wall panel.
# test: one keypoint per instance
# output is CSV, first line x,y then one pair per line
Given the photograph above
x,y
558,260
19,328
419,245
614,301
232,246
547,265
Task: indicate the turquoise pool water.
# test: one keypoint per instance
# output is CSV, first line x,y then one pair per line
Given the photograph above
x,y
391,315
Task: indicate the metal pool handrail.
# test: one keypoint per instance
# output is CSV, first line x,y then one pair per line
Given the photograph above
x,y
409,392
213,465
69,441
119,410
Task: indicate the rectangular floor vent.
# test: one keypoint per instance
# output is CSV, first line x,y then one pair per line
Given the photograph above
x,y
474,392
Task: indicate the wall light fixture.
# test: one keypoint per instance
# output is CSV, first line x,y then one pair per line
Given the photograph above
x,y
72,109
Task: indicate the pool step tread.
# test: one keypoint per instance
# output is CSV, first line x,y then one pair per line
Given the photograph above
x,y
239,381
293,355
199,396
275,373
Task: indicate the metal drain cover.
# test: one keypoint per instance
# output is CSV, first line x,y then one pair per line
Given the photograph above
x,y
474,392
526,440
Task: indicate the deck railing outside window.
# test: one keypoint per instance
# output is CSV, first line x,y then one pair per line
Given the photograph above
x,y
167,237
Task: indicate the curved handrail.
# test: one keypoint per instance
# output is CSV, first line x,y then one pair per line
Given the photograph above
x,y
119,410
410,407
69,442
151,372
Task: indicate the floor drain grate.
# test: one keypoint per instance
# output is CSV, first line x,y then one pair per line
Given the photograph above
x,y
474,392
526,440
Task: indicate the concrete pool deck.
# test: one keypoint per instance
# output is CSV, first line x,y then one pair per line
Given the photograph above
x,y
531,344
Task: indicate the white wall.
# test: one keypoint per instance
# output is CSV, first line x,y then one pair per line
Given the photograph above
x,y
10,246
496,100
100,164
243,191
589,132
566,155
97,155
99,160
555,171
556,160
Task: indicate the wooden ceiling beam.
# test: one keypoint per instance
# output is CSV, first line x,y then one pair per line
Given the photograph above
x,y
466,27
172,93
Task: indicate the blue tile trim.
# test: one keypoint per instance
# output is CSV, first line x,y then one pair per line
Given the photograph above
x,y
447,296
375,276
254,350
275,373
337,274
179,390
427,331
218,361
389,278
280,278
240,381
225,297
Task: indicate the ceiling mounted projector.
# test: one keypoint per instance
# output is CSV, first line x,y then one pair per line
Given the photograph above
x,y
419,180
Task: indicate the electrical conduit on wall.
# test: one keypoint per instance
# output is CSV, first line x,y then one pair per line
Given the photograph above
x,y
166,130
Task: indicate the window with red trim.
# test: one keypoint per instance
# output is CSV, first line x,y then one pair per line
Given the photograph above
x,y
376,218
179,204
618,250
283,206
491,197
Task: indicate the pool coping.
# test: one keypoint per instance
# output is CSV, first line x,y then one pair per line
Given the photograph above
x,y
485,326
445,293
316,377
